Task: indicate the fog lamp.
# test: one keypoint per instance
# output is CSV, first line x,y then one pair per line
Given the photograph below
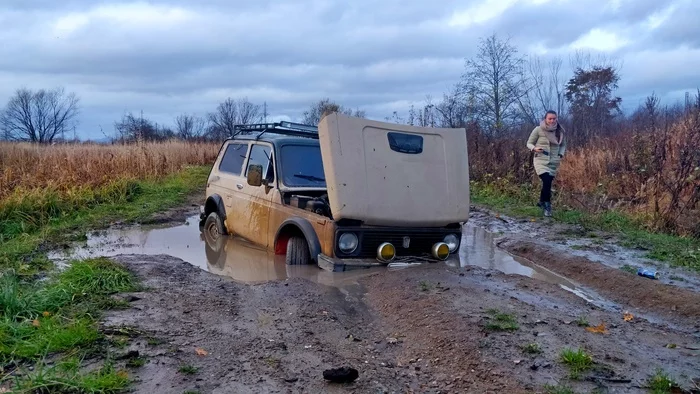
x,y
441,251
386,252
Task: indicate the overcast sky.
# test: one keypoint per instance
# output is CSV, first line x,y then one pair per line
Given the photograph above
x,y
170,57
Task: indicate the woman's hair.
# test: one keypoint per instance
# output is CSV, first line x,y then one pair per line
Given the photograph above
x,y
549,112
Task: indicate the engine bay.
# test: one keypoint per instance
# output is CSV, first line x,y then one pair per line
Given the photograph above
x,y
318,204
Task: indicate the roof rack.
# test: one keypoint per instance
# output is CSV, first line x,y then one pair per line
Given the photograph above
x,y
283,127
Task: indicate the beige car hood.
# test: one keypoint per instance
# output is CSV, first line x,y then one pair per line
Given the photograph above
x,y
367,180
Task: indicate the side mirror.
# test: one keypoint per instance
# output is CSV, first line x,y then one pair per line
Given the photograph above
x,y
255,176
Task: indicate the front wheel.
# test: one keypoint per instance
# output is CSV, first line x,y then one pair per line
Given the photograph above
x,y
214,227
297,251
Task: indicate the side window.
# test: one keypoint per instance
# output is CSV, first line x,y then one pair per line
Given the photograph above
x,y
233,159
261,154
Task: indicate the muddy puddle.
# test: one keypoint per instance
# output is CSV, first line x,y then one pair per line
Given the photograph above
x,y
248,263
232,257
478,248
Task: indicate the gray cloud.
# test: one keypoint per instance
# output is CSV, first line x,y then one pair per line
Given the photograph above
x,y
170,57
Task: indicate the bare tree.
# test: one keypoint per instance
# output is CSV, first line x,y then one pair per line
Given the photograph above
x,y
496,78
545,89
230,113
39,116
139,129
189,127
325,106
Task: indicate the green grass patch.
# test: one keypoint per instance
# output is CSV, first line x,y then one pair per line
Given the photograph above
x,y
661,383
577,360
520,201
499,321
550,389
29,220
66,377
59,313
532,348
188,369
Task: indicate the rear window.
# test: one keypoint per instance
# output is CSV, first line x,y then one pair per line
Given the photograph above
x,y
233,159
405,143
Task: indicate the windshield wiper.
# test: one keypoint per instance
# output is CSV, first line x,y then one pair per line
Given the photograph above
x,y
310,177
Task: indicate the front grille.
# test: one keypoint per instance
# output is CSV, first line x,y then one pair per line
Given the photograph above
x,y
421,241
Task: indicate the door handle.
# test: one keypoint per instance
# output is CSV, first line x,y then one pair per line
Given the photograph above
x,y
239,186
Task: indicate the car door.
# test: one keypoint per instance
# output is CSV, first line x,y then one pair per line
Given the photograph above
x,y
230,179
256,200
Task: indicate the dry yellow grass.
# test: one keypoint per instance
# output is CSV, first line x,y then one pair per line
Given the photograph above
x,y
26,167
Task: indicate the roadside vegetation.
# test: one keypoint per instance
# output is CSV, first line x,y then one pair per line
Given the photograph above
x,y
644,186
50,195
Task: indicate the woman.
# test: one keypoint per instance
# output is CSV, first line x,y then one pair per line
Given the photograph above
x,y
548,143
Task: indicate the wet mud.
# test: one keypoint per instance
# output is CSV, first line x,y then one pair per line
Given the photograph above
x,y
246,322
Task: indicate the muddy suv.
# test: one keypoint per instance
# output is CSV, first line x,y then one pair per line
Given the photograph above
x,y
349,192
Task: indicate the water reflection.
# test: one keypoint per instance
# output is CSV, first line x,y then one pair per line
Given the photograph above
x,y
229,256
478,248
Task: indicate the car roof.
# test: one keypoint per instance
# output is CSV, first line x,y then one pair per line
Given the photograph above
x,y
274,138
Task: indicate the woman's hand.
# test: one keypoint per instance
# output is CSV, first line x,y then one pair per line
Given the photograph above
x,y
539,150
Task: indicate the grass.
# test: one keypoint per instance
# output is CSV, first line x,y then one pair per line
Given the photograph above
x,y
559,389
519,201
532,348
499,321
58,315
661,383
582,321
188,369
578,361
141,200
49,319
66,377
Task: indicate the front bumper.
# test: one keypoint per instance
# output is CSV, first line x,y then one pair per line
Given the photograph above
x,y
339,265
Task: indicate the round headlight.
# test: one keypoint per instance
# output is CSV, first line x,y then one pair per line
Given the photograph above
x,y
347,243
452,242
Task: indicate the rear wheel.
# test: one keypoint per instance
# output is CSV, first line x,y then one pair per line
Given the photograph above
x,y
297,251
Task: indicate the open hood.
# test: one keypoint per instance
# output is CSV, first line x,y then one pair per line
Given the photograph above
x,y
387,174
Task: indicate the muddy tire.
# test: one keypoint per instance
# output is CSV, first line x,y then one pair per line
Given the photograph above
x,y
297,251
213,228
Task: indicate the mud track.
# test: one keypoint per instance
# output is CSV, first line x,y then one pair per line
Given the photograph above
x,y
424,329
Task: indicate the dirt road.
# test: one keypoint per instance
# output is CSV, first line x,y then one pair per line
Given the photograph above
x,y
238,320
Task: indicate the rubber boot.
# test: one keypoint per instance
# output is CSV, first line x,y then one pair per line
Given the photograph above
x,y
548,209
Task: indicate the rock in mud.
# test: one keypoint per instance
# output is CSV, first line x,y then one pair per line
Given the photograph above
x,y
341,375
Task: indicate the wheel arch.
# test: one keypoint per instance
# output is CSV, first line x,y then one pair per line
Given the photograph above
x,y
301,227
215,203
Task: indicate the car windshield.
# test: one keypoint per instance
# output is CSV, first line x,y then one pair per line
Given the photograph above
x,y
302,166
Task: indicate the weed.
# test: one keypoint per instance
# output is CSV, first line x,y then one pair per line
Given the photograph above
x,y
136,362
272,361
424,285
188,369
155,341
629,268
582,321
660,382
559,389
501,321
577,361
532,348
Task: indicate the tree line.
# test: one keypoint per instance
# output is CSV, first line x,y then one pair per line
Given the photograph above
x,y
501,92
